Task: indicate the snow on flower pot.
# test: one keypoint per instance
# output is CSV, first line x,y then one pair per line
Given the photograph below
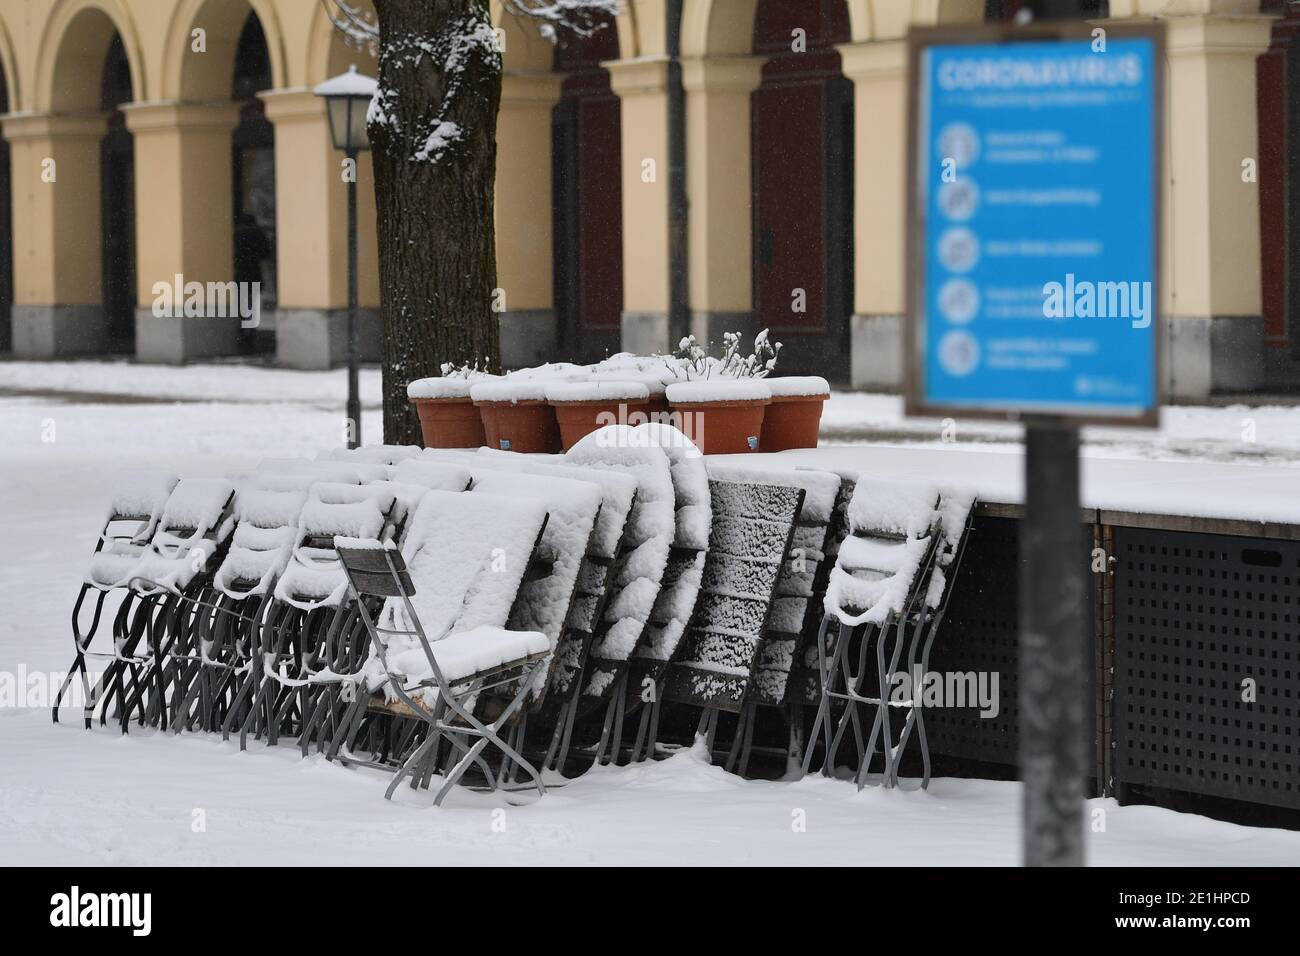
x,y
795,415
722,416
448,418
582,407
516,416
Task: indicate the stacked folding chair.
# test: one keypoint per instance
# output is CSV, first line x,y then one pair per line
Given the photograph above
x,y
874,603
436,613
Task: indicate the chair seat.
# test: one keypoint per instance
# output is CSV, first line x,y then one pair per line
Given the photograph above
x,y
110,569
464,654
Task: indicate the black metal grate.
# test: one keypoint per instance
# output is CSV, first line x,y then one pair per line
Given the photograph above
x,y
980,633
1195,616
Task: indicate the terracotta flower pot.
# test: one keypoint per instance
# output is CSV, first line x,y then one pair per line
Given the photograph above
x,y
794,417
449,422
722,417
582,407
448,418
516,417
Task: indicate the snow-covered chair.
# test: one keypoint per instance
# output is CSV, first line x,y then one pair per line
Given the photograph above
x,y
436,612
618,493
796,605
372,454
677,594
135,507
639,571
876,592
188,543
749,542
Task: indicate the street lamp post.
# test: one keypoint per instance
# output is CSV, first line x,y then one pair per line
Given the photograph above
x,y
347,100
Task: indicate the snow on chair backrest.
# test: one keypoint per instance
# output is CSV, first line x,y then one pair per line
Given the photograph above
x,y
796,607
892,539
371,454
314,577
618,493
466,555
648,536
753,525
684,574
267,523
196,523
348,472
543,599
956,508
135,507
442,476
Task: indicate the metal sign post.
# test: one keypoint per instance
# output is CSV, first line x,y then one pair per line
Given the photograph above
x,y
1033,295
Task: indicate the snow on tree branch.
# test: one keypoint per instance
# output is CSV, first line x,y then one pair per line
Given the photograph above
x,y
583,17
360,30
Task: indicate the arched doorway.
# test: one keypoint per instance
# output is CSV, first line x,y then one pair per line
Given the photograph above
x,y
588,198
117,202
802,153
6,233
253,178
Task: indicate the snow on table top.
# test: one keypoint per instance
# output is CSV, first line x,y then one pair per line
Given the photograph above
x,y
798,386
597,390
446,386
719,390
509,390
1252,493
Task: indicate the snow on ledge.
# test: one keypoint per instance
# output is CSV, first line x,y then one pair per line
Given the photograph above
x,y
600,390
509,390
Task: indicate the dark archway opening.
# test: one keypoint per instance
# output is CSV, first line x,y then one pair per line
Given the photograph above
x,y
6,234
253,178
117,202
1278,100
802,154
588,198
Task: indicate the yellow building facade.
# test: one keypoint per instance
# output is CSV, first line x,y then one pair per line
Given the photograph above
x,y
739,165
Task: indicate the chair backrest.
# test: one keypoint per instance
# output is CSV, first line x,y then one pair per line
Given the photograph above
x,y
753,525
443,476
196,524
796,605
314,577
265,532
883,564
648,536
135,507
372,454
543,600
956,513
374,568
350,472
467,554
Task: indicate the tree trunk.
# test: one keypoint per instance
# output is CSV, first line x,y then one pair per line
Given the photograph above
x,y
433,136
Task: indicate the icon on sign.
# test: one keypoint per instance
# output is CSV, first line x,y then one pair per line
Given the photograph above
x,y
959,250
959,353
959,300
959,199
960,143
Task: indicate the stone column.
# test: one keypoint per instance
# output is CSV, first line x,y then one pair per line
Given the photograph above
x,y
719,181
878,70
311,219
524,209
642,86
55,181
183,208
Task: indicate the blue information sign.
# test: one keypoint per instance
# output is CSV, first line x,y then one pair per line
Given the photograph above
x,y
1035,259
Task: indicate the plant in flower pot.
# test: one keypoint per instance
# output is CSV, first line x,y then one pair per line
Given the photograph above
x,y
794,417
582,407
516,416
448,418
721,401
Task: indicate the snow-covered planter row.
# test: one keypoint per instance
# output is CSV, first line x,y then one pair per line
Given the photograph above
x,y
725,403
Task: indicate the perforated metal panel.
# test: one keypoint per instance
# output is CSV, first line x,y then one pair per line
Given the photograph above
x,y
1196,615
980,633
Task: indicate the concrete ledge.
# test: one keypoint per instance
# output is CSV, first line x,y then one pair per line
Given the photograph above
x,y
170,340
877,351
645,333
528,337
318,338
1207,354
53,331
708,327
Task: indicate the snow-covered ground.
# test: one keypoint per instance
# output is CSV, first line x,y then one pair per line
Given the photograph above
x,y
72,796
